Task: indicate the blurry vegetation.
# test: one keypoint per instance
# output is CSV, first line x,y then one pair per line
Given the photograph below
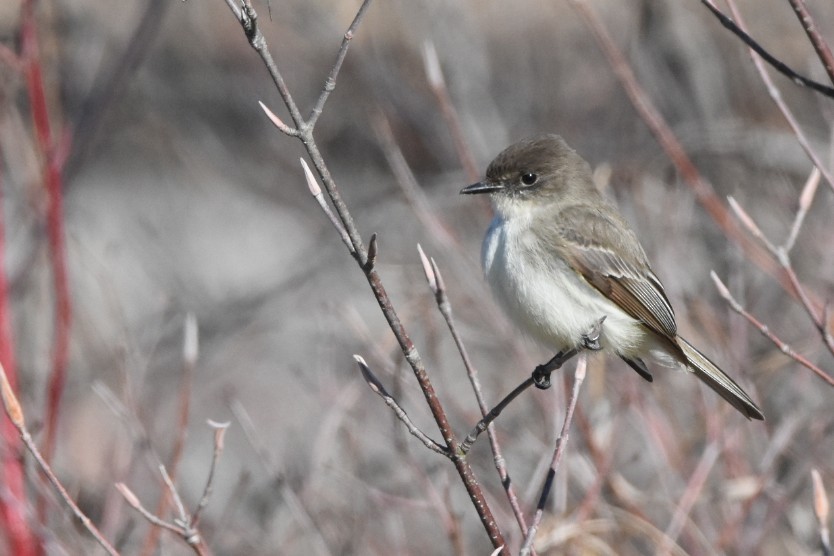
x,y
181,197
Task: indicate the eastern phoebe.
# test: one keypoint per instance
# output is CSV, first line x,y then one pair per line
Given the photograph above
x,y
560,258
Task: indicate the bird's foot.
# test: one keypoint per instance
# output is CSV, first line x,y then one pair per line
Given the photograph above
x,y
541,374
590,340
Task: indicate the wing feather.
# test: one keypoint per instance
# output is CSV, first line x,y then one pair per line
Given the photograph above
x,y
607,254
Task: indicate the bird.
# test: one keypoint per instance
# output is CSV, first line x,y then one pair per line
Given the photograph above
x,y
570,271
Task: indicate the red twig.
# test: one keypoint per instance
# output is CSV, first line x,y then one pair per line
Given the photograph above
x,y
54,222
18,533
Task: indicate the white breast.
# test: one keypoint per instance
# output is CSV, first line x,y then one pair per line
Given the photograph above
x,y
544,296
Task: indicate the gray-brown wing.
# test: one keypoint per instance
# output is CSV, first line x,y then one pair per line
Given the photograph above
x,y
607,254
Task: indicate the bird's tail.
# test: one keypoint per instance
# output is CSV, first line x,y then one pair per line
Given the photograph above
x,y
718,380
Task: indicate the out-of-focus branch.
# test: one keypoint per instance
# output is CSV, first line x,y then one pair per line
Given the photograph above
x,y
704,192
578,379
190,352
437,82
30,54
821,511
15,413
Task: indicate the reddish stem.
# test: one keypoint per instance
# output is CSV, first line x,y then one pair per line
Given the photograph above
x,y
12,506
54,222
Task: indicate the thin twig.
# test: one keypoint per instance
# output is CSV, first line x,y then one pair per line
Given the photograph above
x,y
330,83
438,287
798,290
248,20
169,483
184,525
822,48
408,184
219,435
133,501
378,388
779,66
578,378
766,332
703,190
776,96
492,414
690,496
437,82
53,185
190,352
15,414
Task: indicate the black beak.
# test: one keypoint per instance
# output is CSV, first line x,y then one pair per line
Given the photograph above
x,y
481,187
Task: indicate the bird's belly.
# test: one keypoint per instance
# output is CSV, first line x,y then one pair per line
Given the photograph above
x,y
547,298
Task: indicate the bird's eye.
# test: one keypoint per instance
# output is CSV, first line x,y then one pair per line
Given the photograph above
x,y
529,178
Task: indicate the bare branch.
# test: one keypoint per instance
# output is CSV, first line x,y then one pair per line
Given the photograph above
x,y
248,20
774,93
330,84
766,332
781,67
219,434
438,287
15,413
482,425
822,48
133,502
389,400
578,379
434,75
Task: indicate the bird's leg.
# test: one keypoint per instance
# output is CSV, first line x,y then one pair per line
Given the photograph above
x,y
590,341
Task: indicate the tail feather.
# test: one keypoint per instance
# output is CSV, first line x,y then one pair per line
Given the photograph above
x,y
718,380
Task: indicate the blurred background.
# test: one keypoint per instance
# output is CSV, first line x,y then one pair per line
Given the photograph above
x,y
180,197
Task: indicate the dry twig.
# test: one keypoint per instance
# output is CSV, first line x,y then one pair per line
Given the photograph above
x,y
15,414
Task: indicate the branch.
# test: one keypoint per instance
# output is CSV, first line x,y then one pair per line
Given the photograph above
x,y
184,525
578,378
781,67
378,388
823,51
766,332
774,93
248,19
15,414
438,287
